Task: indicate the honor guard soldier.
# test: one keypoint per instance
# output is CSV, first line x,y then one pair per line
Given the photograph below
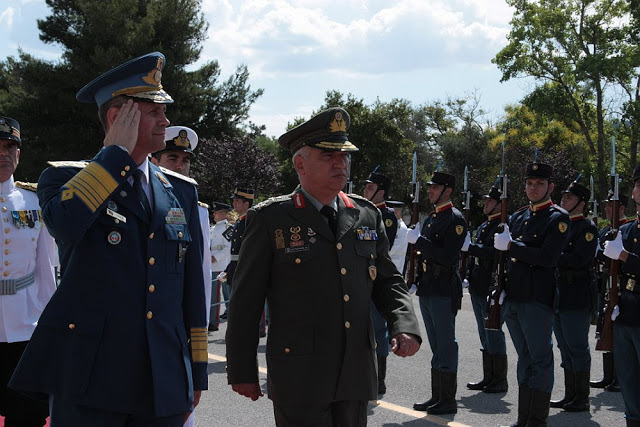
x,y
315,252
440,289
533,239
483,263
576,285
27,280
609,380
176,158
123,340
376,190
220,256
398,251
626,315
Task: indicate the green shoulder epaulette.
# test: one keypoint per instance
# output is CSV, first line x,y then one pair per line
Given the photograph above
x,y
69,164
31,186
270,201
204,205
359,197
177,175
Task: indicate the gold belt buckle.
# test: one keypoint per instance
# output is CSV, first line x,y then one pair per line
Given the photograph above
x,y
631,284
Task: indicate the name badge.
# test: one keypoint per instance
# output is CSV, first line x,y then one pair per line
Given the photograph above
x,y
116,215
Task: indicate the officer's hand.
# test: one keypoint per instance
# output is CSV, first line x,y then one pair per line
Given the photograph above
x,y
613,248
465,283
196,399
404,345
616,312
124,129
413,234
221,277
467,241
502,241
250,390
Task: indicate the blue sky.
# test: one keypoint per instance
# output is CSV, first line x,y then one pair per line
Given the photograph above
x,y
296,50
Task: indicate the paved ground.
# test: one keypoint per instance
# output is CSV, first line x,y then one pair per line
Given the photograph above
x,y
407,383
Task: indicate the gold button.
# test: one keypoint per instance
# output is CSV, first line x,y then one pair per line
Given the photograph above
x,y
4,209
298,260
72,326
127,168
2,199
346,298
526,222
535,235
6,230
123,173
6,251
152,261
180,234
117,221
7,262
347,324
149,315
151,235
5,219
7,241
5,274
152,288
287,350
343,271
339,246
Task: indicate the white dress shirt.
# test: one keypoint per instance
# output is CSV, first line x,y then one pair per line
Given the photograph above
x,y
220,247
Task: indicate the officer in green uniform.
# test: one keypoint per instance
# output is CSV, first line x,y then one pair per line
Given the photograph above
x,y
319,257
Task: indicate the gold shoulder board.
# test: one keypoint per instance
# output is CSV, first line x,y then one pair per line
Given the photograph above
x,y
31,186
177,175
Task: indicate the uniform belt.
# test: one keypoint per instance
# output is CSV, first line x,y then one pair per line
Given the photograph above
x,y
217,248
11,286
437,268
632,285
235,257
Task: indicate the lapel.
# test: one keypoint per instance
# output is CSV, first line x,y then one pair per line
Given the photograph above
x,y
163,198
347,216
126,196
308,215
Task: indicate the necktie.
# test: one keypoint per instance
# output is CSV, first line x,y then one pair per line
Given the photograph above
x,y
330,213
142,196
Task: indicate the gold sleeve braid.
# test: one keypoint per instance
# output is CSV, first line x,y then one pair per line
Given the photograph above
x,y
93,185
199,351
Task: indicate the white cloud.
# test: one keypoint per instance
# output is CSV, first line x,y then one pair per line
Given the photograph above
x,y
6,18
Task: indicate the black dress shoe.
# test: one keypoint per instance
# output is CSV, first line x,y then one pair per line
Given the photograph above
x,y
212,328
424,405
263,334
223,315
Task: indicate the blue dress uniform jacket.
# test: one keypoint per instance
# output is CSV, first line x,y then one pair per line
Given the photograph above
x,y
390,222
116,333
443,234
319,287
629,294
575,265
539,234
483,258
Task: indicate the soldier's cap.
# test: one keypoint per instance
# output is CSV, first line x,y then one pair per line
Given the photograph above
x,y
138,78
383,181
327,131
579,190
219,206
494,193
443,178
10,129
394,203
623,199
180,138
243,193
538,170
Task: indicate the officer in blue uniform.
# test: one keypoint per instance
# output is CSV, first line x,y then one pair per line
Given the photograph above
x,y
123,340
576,284
376,190
481,275
534,240
440,289
609,380
626,315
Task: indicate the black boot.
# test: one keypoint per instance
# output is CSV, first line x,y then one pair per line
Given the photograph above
x,y
382,374
435,392
539,410
613,385
487,372
448,387
524,406
633,423
581,401
607,367
569,389
499,382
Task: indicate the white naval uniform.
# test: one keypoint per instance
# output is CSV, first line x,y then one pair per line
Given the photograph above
x,y
206,254
398,252
24,250
220,247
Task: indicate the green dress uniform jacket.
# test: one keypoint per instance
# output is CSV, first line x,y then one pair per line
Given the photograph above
x,y
319,287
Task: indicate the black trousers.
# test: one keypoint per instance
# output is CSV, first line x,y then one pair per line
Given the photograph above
x,y
345,413
17,409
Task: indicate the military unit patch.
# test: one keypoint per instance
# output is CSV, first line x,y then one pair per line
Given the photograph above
x,y
588,237
459,229
388,222
562,226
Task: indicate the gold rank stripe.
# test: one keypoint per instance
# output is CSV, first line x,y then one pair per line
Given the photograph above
x,y
93,185
334,145
199,343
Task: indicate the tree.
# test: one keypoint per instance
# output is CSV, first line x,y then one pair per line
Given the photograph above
x,y
97,36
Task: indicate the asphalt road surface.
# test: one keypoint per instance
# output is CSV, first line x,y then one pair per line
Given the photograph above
x,y
408,382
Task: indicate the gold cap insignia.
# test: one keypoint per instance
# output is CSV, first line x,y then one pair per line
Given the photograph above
x,y
182,140
338,124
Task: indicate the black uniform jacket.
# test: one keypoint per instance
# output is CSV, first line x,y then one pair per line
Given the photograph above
x,y
483,258
539,234
116,333
575,265
237,234
321,344
629,299
390,222
442,237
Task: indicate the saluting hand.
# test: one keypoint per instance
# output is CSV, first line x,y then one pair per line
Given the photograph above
x,y
250,390
124,129
404,345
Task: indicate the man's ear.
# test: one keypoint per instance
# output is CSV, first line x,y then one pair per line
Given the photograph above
x,y
298,164
551,187
154,160
111,115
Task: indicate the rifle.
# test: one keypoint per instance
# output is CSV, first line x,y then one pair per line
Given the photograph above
x,y
348,188
594,203
493,320
605,340
467,215
415,185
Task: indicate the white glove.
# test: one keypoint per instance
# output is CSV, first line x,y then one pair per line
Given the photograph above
x,y
465,283
502,295
502,240
221,277
467,241
413,289
413,234
613,248
500,300
616,312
